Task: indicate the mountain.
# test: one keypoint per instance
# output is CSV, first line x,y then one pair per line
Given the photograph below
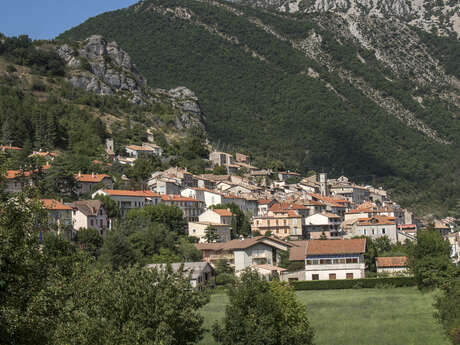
x,y
370,97
441,16
73,96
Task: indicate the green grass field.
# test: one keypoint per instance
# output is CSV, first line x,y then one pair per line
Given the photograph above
x,y
399,316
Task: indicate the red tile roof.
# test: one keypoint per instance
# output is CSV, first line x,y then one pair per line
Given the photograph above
x,y
395,261
4,148
51,204
139,148
223,212
140,193
323,247
299,251
12,174
168,197
93,178
376,220
264,201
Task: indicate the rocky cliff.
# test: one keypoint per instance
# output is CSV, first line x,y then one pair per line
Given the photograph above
x,y
102,67
441,16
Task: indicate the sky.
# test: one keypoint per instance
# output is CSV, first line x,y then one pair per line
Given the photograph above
x,y
46,19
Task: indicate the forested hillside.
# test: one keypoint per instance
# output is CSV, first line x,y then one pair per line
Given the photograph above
x,y
49,104
303,90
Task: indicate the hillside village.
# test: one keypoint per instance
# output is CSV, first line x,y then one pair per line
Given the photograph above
x,y
320,224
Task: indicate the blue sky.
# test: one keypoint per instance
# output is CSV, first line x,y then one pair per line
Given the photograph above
x,y
45,19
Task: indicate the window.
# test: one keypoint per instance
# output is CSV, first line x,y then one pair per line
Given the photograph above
x,y
364,232
332,276
383,231
349,275
294,221
91,222
285,231
101,223
315,277
285,222
373,232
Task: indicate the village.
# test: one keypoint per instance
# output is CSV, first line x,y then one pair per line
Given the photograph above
x,y
320,224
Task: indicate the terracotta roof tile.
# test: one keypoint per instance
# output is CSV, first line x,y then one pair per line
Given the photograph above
x,y
140,193
299,251
51,204
93,178
223,212
394,261
322,247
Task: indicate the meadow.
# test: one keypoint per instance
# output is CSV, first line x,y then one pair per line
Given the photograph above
x,y
397,316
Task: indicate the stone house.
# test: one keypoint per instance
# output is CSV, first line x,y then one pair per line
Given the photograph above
x,y
191,207
282,224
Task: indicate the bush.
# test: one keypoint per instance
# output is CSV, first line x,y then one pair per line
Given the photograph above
x,y
367,283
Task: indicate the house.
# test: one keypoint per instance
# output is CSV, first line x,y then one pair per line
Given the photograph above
x,y
353,193
87,182
209,197
392,265
441,227
59,216
241,158
135,151
242,253
164,185
198,230
202,274
269,271
128,199
375,227
17,180
264,205
110,148
191,208
322,223
220,158
206,183
282,224
47,156
90,214
186,179
333,259
284,175
9,149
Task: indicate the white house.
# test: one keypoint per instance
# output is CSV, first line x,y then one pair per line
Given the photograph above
x,y
220,219
202,274
209,197
242,253
322,223
334,259
134,151
375,227
128,199
90,214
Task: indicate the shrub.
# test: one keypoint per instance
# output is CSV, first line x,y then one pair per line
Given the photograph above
x,y
368,283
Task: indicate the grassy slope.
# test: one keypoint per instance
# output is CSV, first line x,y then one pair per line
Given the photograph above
x,y
401,316
272,108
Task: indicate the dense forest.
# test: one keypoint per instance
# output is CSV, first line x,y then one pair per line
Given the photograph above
x,y
271,106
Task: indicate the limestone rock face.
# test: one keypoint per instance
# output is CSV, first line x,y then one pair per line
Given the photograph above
x,y
104,68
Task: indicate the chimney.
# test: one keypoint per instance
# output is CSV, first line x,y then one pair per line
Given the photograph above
x,y
92,175
79,174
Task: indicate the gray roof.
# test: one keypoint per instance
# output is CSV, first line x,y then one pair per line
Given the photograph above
x,y
88,207
196,268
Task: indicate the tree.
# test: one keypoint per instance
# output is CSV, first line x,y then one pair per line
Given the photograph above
x,y
117,252
171,216
430,259
219,170
323,236
110,205
448,308
90,241
241,224
133,304
210,234
263,313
